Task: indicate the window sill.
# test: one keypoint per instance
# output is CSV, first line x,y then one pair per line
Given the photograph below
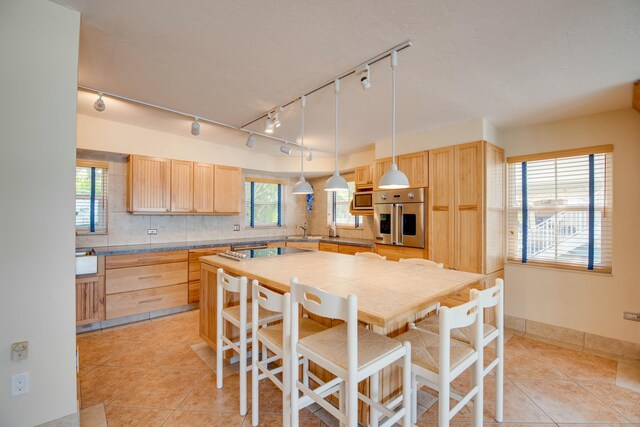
x,y
102,233
558,268
265,227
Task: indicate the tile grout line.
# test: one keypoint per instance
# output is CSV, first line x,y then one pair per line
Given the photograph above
x,y
534,402
600,400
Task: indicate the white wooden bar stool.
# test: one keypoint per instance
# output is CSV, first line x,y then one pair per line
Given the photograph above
x,y
371,255
237,316
350,352
423,262
488,298
276,339
437,360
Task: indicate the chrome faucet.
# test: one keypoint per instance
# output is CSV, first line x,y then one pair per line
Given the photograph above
x,y
304,230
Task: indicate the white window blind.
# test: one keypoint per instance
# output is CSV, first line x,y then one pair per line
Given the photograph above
x,y
91,197
338,203
560,209
263,203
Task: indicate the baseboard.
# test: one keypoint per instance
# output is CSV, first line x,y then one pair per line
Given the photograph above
x,y
71,420
574,338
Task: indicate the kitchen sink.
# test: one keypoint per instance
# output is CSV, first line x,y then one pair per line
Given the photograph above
x,y
86,262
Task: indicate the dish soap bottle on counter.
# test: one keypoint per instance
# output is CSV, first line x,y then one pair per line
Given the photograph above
x,y
332,230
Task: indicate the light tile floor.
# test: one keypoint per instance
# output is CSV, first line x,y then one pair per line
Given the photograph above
x,y
148,374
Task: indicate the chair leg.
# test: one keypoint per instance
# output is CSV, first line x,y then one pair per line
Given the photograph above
x,y
254,384
219,353
477,373
414,399
243,369
374,381
293,389
286,390
305,371
342,401
352,400
443,399
407,388
500,379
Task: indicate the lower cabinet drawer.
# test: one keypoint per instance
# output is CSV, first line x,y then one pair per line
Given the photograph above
x,y
394,253
146,277
303,245
194,275
351,250
136,302
328,247
194,291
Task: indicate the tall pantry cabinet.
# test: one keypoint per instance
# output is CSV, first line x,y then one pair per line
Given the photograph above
x,y
466,207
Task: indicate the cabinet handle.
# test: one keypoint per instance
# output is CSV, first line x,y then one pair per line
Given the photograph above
x,y
149,300
155,276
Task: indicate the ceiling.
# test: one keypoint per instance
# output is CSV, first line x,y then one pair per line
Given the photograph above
x,y
512,62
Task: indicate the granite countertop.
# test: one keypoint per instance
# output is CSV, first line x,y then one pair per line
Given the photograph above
x,y
177,246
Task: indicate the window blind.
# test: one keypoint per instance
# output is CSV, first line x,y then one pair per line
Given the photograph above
x,y
263,203
91,197
560,210
338,206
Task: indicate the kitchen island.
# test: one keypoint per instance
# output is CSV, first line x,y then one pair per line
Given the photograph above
x,y
390,294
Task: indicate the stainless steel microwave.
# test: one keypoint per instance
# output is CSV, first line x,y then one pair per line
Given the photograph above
x,y
363,201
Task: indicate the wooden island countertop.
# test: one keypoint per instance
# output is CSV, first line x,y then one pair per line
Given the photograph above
x,y
387,291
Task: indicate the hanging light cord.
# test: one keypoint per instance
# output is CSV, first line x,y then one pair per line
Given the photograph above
x,y
337,89
303,101
394,64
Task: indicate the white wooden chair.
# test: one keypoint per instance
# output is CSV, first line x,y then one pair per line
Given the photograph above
x,y
350,352
437,360
423,262
488,298
371,255
237,316
276,339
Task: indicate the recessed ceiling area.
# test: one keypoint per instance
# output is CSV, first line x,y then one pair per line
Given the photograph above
x,y
512,62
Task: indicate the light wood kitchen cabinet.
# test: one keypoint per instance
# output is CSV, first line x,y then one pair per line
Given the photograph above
x,y
416,167
343,248
394,253
90,299
194,269
380,167
149,184
328,247
463,233
227,185
203,187
281,244
181,186
363,177
303,245
147,300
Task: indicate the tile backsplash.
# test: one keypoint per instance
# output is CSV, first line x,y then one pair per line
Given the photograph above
x,y
127,229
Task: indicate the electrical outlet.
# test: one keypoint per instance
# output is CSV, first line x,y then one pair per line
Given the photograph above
x,y
236,227
20,384
152,231
20,350
630,315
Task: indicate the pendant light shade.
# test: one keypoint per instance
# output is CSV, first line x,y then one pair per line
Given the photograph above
x,y
302,186
394,178
336,182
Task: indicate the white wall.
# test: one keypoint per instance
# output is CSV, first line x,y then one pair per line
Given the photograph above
x,y
586,301
38,78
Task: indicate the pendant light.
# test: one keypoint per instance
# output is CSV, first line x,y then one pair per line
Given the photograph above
x,y
336,182
394,178
302,186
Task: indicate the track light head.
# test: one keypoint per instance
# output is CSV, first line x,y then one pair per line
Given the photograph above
x,y
250,141
195,127
310,155
276,121
268,125
365,79
285,149
99,104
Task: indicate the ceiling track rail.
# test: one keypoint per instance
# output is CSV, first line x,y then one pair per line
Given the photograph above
x,y
379,57
190,116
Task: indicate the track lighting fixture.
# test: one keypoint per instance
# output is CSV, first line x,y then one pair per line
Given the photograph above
x,y
309,155
365,77
394,178
250,141
302,186
99,104
276,121
286,149
269,127
336,182
195,127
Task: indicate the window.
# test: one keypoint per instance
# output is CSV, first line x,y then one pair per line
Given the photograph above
x,y
263,203
338,204
560,209
91,197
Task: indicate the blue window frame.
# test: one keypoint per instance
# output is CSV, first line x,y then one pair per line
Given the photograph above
x,y
263,203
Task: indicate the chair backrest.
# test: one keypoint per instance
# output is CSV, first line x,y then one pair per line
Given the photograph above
x,y
459,316
421,261
492,297
273,301
230,283
370,255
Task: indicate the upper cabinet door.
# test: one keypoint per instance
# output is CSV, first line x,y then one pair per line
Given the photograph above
x,y
380,167
181,186
202,188
363,177
416,167
227,184
495,208
149,188
468,172
440,207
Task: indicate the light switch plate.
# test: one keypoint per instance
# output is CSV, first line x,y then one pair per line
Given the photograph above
x,y
236,227
20,384
152,231
19,350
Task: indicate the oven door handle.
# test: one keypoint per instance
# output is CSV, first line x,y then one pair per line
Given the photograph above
x,y
400,225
